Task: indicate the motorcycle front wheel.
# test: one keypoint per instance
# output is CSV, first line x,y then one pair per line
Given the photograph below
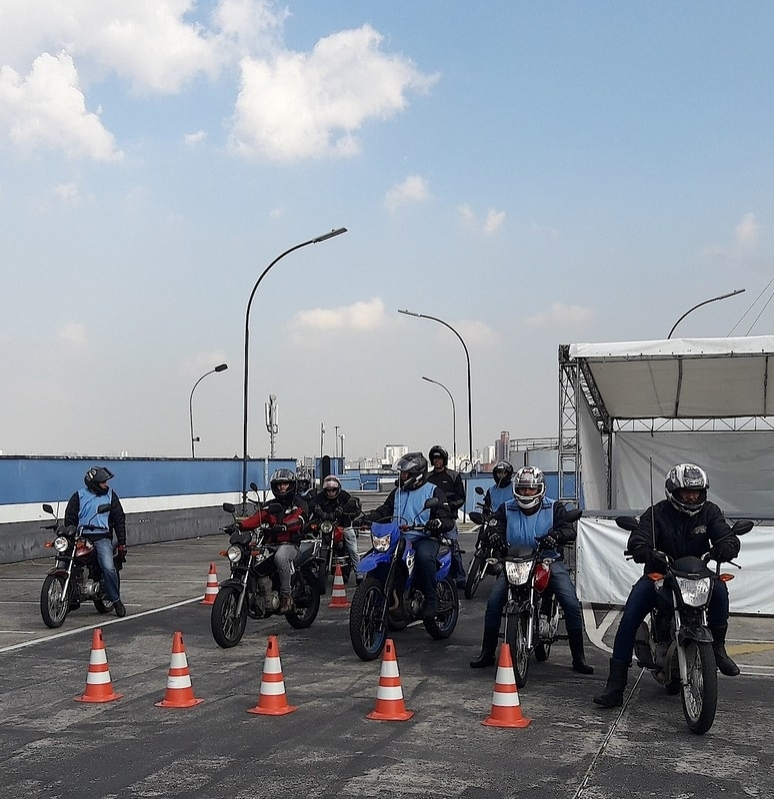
x,y
476,572
306,604
445,620
366,630
700,695
516,635
228,626
53,602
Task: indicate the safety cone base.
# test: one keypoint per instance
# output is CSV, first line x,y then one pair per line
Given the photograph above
x,y
272,711
399,715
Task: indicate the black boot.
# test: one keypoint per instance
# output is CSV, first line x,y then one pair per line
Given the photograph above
x,y
488,649
576,650
616,683
723,661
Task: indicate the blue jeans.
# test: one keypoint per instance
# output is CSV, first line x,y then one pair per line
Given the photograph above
x,y
110,578
426,551
642,599
559,582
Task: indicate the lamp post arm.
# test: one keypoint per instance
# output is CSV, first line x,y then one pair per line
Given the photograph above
x,y
714,299
190,408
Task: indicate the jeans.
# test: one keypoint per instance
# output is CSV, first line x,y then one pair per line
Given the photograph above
x,y
350,539
283,559
110,578
559,582
426,551
642,599
457,567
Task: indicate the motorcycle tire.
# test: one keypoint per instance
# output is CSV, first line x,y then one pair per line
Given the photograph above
x,y
516,636
445,620
228,627
54,605
306,605
542,651
476,572
366,630
103,605
700,695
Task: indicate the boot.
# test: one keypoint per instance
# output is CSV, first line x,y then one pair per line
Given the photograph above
x,y
488,649
723,661
616,683
576,649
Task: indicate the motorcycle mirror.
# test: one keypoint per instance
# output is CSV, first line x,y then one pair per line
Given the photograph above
x,y
228,507
104,508
742,526
254,487
431,503
353,503
572,516
47,508
627,523
479,490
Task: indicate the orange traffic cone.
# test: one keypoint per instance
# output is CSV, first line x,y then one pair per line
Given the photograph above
x,y
272,700
506,711
339,593
99,688
179,691
389,695
211,589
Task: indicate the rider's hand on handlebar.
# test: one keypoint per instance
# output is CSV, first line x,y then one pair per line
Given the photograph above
x,y
433,526
724,551
231,528
549,542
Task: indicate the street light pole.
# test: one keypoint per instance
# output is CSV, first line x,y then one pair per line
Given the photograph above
x,y
714,299
335,441
454,416
317,240
220,368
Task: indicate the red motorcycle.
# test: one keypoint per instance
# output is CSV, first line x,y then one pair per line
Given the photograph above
x,y
329,548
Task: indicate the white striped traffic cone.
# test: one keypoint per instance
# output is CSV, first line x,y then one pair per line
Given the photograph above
x,y
339,593
179,691
272,700
506,709
211,589
99,687
389,695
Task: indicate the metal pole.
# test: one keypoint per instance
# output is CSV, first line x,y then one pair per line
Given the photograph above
x,y
454,416
220,368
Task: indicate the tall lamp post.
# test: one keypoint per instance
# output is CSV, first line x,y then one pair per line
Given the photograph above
x,y
714,299
220,368
454,416
317,240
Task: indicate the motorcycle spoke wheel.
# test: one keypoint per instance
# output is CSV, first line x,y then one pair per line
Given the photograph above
x,y
53,602
475,575
516,636
445,620
700,695
228,627
366,630
306,607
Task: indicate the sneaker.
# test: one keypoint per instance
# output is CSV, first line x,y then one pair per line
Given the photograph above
x,y
120,609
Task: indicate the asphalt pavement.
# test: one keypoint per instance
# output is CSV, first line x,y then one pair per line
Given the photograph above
x,y
52,746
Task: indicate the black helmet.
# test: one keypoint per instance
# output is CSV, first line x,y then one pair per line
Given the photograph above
x,y
529,477
502,473
331,486
304,480
438,452
414,466
283,476
687,476
95,476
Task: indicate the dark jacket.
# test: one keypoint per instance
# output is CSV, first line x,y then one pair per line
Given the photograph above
x,y
678,534
293,515
334,508
116,518
451,484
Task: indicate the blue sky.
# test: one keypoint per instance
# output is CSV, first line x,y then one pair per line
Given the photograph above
x,y
535,174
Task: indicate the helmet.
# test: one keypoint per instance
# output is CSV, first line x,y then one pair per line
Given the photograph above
x,y
95,476
414,466
690,476
438,451
283,476
331,486
529,477
502,473
304,480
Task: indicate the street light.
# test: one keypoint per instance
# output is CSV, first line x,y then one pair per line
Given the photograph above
x,y
714,299
454,416
220,368
317,240
335,441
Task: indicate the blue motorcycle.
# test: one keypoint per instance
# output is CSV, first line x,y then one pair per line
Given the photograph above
x,y
387,598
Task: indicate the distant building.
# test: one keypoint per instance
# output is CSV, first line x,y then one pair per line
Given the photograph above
x,y
392,452
501,447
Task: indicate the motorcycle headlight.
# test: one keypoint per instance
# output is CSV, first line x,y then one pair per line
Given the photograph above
x,y
517,572
695,593
326,527
234,553
381,543
61,543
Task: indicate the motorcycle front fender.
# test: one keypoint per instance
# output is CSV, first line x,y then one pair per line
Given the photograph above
x,y
371,560
59,571
694,632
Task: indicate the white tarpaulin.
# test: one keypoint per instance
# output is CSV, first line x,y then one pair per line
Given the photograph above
x,y
604,576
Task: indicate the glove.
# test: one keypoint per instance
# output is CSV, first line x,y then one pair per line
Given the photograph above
x,y
121,551
433,526
280,528
231,528
725,550
495,536
654,561
549,541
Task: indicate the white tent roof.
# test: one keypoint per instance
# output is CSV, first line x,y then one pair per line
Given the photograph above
x,y
680,378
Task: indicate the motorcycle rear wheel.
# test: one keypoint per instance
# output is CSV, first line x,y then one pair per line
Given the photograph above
x,y
228,627
54,605
516,636
366,630
700,695
476,572
306,606
445,620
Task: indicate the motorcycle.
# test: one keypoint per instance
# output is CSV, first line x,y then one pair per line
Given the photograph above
x,y
76,575
532,613
329,547
676,646
387,598
487,559
252,589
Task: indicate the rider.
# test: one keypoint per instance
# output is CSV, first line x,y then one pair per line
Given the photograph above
x,y
531,516
305,486
502,490
82,509
451,484
685,524
334,501
404,504
287,516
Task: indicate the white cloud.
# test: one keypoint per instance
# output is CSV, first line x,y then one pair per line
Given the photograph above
x,y
68,193
494,221
47,110
201,363
74,333
412,190
364,316
309,105
194,139
747,232
475,333
491,224
561,315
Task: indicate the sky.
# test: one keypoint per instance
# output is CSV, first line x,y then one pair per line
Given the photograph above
x,y
533,174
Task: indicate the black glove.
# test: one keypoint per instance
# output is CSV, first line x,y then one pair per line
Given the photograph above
x,y
549,541
725,550
280,528
361,521
231,528
494,535
433,526
121,551
654,561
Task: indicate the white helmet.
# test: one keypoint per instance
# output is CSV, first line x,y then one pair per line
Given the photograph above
x,y
529,477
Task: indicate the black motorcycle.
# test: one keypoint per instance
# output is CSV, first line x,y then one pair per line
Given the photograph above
x,y
326,533
488,557
252,589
